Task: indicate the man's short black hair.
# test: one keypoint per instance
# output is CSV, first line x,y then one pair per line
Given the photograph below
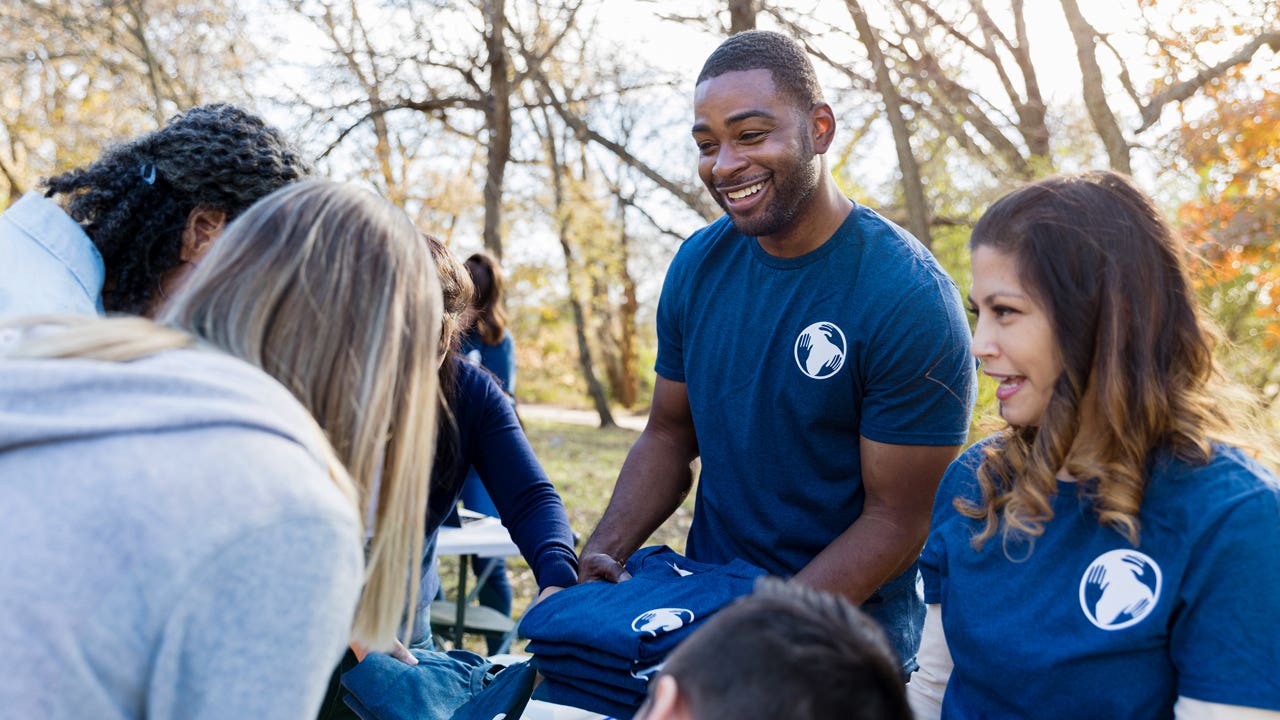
x,y
787,651
134,200
781,55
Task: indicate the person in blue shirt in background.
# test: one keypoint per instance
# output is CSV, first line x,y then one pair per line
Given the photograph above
x,y
489,344
1111,553
814,355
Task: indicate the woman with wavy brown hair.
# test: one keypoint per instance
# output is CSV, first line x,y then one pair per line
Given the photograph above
x,y
1111,552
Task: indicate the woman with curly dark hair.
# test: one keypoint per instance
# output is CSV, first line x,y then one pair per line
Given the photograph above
x,y
1110,553
136,220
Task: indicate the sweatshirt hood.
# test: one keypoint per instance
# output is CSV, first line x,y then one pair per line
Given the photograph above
x,y
44,401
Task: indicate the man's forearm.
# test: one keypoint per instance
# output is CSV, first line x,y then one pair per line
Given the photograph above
x,y
876,548
653,482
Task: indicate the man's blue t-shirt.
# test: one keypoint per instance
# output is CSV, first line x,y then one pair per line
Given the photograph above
x,y
1081,623
787,362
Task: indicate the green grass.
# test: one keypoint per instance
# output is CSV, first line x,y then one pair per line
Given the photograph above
x,y
583,463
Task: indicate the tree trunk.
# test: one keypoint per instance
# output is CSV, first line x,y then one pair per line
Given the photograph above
x,y
497,111
594,388
1032,113
628,389
598,396
912,186
1095,97
742,15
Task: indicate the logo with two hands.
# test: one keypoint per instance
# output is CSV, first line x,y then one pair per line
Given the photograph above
x,y
820,350
1119,589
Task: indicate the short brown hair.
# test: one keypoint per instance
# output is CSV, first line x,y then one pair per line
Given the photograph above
x,y
787,651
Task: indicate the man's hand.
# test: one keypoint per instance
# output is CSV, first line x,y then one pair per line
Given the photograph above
x,y
654,480
598,566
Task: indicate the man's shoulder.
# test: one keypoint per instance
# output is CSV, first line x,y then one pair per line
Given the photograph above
x,y
706,237
886,238
53,266
692,256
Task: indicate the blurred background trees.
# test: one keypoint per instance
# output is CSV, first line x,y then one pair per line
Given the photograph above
x,y
555,133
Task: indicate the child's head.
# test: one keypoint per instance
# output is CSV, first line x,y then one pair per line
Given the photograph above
x,y
785,651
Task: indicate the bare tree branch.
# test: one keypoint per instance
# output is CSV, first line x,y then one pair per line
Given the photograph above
x,y
912,187
1095,97
695,199
1185,89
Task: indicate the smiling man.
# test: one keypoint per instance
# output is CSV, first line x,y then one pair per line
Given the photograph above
x,y
813,354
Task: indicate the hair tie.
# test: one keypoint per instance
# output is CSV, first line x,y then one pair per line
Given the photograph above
x,y
148,173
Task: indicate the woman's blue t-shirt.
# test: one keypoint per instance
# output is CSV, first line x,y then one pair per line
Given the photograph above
x,y
1083,624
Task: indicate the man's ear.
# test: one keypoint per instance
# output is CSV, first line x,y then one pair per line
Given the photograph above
x,y
823,121
203,227
664,701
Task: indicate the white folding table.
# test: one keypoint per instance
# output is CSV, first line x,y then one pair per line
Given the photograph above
x,y
479,535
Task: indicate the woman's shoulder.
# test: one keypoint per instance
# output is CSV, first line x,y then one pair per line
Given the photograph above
x,y
961,477
1230,474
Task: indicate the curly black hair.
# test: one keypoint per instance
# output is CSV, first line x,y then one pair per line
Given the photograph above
x,y
781,55
134,200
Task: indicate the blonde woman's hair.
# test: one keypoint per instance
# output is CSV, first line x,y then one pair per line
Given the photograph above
x,y
1138,356
330,290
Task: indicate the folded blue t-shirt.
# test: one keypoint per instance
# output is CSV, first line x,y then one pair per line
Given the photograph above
x,y
564,694
553,652
644,618
606,680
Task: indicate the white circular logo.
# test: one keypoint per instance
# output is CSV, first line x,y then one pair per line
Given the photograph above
x,y
820,350
646,673
1119,589
661,620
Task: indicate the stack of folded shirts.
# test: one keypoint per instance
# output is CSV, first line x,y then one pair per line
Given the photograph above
x,y
598,644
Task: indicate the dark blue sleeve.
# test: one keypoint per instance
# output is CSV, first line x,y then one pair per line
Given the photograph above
x,y
921,382
960,480
670,360
675,290
530,508
1228,596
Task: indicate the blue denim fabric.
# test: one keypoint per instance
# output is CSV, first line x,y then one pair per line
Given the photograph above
x,y
50,265
899,608
507,695
443,685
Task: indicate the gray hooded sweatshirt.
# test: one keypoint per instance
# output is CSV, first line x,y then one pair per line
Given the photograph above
x,y
171,545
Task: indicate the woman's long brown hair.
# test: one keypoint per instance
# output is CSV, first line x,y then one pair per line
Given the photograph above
x,y
1139,372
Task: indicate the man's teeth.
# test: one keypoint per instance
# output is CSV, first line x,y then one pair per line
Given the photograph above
x,y
739,194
